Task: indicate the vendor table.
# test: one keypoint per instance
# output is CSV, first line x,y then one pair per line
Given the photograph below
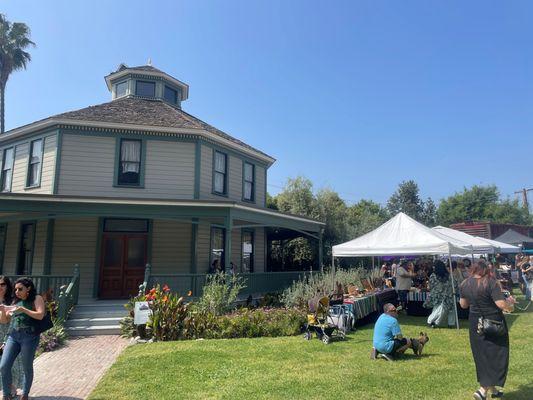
x,y
360,307
416,301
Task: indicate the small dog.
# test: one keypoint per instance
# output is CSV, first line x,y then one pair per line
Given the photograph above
x,y
418,344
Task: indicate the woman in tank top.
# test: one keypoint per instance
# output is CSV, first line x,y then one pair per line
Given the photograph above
x,y
27,308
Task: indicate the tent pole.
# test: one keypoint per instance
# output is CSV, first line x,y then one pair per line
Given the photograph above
x,y
333,268
453,289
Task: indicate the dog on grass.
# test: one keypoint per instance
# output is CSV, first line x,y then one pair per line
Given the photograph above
x,y
419,343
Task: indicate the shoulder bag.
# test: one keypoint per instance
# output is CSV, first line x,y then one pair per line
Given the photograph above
x,y
490,327
42,325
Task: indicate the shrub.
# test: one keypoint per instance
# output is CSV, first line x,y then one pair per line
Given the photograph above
x,y
168,314
53,338
299,293
218,295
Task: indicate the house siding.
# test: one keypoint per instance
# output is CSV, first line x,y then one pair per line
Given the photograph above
x,y
88,168
39,247
75,243
171,247
11,247
20,166
234,178
203,238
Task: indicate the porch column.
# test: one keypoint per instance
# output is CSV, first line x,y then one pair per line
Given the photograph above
x,y
227,244
47,267
194,245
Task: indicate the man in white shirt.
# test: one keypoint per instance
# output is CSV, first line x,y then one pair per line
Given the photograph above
x,y
404,281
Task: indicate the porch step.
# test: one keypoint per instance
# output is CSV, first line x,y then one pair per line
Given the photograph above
x,y
79,322
96,318
93,330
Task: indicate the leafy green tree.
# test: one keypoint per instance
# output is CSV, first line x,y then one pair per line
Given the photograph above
x,y
406,199
14,40
297,198
480,203
271,202
365,216
331,210
429,213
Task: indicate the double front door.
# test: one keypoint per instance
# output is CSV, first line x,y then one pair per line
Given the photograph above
x,y
124,256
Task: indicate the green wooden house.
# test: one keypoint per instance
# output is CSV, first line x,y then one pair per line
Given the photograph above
x,y
131,182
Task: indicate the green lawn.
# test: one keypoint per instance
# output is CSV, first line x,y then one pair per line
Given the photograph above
x,y
292,368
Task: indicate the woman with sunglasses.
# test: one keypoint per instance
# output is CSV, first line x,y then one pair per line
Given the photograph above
x,y
27,308
6,298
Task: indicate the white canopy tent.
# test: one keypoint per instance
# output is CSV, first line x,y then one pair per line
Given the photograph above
x,y
503,248
479,246
402,235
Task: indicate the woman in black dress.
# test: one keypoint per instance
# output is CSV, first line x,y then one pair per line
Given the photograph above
x,y
483,294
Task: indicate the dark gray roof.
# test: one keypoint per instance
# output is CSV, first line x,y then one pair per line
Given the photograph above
x,y
513,237
139,68
136,111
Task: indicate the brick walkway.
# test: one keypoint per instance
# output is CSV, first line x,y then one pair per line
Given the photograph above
x,y
72,372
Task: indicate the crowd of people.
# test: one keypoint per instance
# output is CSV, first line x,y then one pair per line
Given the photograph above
x,y
479,291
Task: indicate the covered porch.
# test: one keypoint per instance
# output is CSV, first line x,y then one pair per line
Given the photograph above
x,y
113,239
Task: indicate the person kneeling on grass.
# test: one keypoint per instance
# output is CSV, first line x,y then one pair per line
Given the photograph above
x,y
388,339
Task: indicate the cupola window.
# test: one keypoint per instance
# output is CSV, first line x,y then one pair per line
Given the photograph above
x,y
121,89
171,95
145,89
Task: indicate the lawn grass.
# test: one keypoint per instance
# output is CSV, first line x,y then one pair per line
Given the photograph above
x,y
292,368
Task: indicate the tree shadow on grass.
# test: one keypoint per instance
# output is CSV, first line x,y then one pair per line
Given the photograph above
x,y
523,392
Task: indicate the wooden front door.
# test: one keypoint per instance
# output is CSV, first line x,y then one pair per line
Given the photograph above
x,y
122,264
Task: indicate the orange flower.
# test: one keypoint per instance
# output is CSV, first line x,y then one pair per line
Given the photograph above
x,y
189,293
148,297
166,288
165,299
152,291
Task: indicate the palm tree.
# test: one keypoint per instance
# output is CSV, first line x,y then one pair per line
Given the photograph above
x,y
14,39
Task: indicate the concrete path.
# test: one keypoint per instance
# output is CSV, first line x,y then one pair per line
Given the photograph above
x,y
72,372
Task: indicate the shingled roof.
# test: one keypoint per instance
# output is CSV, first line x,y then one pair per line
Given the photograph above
x,y
135,111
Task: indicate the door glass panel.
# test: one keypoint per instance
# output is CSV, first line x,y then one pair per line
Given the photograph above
x,y
112,252
136,252
247,252
26,249
217,249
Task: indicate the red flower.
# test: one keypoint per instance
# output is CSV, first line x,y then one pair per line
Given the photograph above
x,y
152,291
166,288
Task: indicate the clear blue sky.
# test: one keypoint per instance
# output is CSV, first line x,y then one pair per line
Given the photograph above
x,y
355,95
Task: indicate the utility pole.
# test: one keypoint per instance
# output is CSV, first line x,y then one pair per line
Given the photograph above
x,y
524,197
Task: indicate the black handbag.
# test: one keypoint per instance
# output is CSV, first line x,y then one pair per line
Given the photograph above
x,y
491,327
44,324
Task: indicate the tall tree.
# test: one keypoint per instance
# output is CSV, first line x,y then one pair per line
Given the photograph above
x,y
429,213
365,216
331,210
406,199
481,203
14,40
297,198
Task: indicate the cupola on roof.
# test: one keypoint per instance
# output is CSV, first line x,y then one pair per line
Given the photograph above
x,y
147,82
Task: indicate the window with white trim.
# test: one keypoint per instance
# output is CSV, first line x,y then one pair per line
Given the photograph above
x,y
249,182
129,166
7,169
35,163
220,172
